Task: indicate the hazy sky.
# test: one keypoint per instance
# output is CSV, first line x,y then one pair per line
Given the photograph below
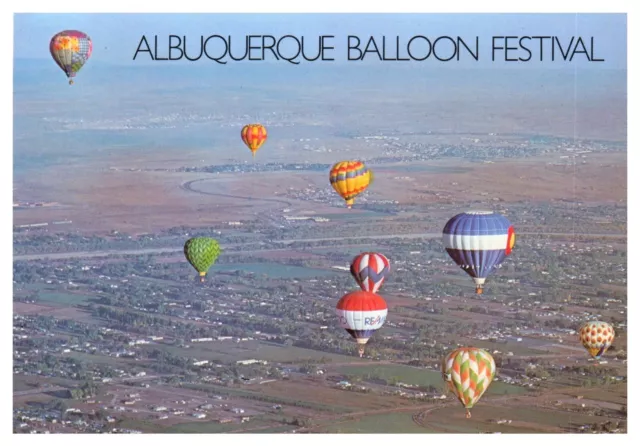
x,y
116,36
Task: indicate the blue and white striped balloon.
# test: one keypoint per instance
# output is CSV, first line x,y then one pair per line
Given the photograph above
x,y
478,241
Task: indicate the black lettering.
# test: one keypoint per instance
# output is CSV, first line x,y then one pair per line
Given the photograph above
x,y
269,47
475,55
564,55
226,49
357,48
326,48
156,49
494,47
246,50
398,50
455,48
201,49
175,47
507,48
249,47
524,48
542,39
577,51
139,50
309,59
593,58
374,50
291,60
409,48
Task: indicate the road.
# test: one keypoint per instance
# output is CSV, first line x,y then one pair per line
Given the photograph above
x,y
188,186
177,249
58,388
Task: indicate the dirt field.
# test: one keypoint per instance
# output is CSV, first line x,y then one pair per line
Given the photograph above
x,y
604,178
97,199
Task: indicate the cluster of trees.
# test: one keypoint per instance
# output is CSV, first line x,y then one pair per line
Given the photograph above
x,y
86,390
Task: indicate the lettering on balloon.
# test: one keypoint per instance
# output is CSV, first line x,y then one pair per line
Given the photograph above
x,y
374,320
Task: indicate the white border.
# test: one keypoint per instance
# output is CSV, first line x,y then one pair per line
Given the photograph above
x,y
6,29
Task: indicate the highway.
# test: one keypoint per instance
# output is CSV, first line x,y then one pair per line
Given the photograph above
x,y
177,249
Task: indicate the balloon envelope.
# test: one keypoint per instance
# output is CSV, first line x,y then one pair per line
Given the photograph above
x,y
254,135
468,372
361,313
201,253
349,179
70,50
596,337
369,269
478,241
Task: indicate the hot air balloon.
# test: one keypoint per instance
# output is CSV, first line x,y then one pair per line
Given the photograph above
x,y
70,50
596,337
468,372
254,135
478,241
349,179
369,269
202,253
361,313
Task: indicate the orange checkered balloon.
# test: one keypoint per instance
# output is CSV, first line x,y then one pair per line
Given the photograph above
x,y
596,337
254,135
468,372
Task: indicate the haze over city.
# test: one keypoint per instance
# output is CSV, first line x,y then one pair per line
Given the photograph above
x,y
113,333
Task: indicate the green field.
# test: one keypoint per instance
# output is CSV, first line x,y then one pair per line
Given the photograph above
x,y
273,430
212,427
451,419
231,351
417,376
296,354
517,348
88,358
52,296
63,299
392,423
21,382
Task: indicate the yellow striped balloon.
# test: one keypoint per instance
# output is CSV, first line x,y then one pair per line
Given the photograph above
x,y
254,135
349,179
468,372
596,337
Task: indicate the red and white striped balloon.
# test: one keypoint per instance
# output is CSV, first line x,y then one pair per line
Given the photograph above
x,y
370,269
361,313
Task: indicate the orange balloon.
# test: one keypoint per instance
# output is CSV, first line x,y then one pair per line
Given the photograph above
x,y
254,135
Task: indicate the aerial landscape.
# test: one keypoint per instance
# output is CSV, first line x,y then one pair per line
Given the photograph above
x,y
114,330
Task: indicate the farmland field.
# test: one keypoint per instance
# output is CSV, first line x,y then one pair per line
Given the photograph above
x,y
376,424
484,415
420,377
227,350
63,299
273,270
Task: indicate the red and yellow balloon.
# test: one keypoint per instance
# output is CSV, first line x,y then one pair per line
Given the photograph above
x,y
349,179
254,135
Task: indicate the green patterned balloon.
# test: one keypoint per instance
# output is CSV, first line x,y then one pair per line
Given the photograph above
x,y
202,253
